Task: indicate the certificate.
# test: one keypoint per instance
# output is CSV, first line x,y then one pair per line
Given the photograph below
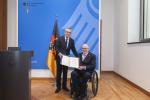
x,y
70,61
65,60
74,62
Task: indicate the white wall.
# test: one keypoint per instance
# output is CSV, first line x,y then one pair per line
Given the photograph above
x,y
12,23
131,61
107,12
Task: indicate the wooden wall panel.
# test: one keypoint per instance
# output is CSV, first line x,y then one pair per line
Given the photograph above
x,y
3,24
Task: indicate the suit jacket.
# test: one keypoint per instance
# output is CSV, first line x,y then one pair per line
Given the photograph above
x,y
89,62
61,46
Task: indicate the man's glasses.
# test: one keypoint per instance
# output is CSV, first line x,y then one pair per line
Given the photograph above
x,y
67,32
85,48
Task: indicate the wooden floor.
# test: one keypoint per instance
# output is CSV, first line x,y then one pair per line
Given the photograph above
x,y
111,87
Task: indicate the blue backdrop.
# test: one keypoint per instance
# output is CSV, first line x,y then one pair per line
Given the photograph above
x,y
36,20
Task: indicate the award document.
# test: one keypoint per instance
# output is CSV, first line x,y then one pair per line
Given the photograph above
x,y
70,61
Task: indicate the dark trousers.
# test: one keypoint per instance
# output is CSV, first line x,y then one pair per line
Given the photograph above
x,y
61,69
79,81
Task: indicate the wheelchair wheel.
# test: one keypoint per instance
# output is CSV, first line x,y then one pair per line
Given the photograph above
x,y
94,81
71,90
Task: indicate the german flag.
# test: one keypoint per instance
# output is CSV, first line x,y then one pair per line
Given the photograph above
x,y
51,61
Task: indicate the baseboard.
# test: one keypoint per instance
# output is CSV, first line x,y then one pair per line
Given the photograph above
x,y
131,83
107,71
42,78
45,73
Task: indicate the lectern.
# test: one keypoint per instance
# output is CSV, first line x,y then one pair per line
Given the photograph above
x,y
15,81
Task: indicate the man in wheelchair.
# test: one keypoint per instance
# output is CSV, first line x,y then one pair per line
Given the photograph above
x,y
81,75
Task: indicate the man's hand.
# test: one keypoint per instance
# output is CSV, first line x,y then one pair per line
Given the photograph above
x,y
82,68
60,55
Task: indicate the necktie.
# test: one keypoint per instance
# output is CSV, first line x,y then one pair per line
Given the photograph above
x,y
66,42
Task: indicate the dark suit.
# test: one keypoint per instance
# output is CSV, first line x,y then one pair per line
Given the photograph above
x,y
80,77
61,48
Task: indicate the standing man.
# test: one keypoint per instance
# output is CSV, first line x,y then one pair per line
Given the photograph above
x,y
63,46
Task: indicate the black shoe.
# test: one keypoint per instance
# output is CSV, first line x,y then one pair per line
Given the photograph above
x,y
84,97
65,88
76,97
57,90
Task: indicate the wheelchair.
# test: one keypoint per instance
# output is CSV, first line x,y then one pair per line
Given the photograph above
x,y
93,81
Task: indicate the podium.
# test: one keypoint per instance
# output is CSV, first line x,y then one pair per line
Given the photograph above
x,y
15,80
